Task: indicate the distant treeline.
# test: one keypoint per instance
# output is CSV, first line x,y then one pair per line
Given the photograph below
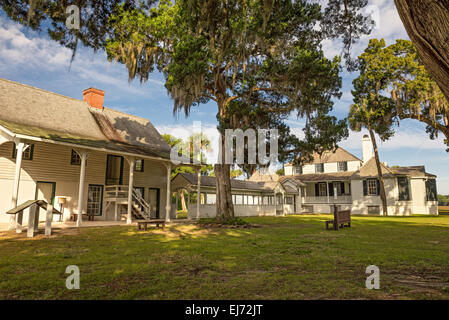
x,y
443,200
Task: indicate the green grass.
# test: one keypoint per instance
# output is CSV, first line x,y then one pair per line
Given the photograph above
x,y
286,258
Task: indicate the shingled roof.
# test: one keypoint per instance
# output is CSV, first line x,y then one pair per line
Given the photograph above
x,y
339,155
235,184
34,112
369,170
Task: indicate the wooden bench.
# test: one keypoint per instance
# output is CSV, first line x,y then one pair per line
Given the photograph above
x,y
341,219
145,223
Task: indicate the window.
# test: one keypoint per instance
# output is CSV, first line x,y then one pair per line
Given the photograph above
x,y
203,198
211,198
298,170
138,165
319,167
338,185
371,187
404,192
431,190
257,200
279,200
94,200
288,200
250,200
238,199
321,189
75,158
343,166
27,153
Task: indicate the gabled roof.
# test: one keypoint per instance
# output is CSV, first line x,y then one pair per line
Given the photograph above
x,y
34,112
235,184
369,170
339,155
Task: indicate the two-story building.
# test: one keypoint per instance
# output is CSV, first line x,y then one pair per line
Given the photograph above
x,y
333,178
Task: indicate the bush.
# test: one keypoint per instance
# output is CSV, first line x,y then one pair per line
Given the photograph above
x,y
228,222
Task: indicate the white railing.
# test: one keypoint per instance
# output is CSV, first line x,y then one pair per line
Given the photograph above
x,y
325,200
120,193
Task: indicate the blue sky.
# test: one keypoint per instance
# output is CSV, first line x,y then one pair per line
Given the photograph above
x,y
31,58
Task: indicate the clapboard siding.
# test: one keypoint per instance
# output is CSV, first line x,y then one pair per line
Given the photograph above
x,y
51,162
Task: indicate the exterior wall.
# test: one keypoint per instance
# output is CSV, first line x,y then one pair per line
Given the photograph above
x,y
416,205
328,167
51,163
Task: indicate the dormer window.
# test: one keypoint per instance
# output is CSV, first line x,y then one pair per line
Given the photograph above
x,y
298,170
343,166
319,167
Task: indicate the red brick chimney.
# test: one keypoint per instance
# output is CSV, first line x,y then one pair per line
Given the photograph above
x,y
94,97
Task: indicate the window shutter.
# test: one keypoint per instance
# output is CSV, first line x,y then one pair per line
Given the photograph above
x,y
365,188
317,191
378,187
331,189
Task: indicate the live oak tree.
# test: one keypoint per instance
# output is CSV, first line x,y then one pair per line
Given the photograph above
x,y
267,52
396,75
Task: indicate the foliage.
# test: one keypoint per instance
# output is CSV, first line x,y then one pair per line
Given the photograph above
x,y
212,221
394,85
280,172
265,54
186,148
443,200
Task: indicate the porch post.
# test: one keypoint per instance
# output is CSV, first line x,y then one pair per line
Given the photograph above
x,y
283,204
20,147
131,162
168,204
83,156
299,202
177,199
198,195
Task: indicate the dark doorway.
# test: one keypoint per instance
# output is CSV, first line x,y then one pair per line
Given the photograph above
x,y
154,195
114,170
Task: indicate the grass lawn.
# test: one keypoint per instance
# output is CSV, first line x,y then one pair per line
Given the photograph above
x,y
286,258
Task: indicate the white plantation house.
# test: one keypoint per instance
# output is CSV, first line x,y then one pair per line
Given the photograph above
x,y
334,178
80,157
85,158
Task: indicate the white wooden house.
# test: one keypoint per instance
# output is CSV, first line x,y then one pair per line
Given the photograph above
x,y
334,178
80,156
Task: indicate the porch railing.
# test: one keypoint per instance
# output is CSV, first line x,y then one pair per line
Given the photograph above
x,y
325,199
120,193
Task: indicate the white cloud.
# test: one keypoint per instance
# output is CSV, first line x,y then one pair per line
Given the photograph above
x,y
20,52
403,138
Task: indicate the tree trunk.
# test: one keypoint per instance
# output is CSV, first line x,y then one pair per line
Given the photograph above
x,y
224,206
383,196
427,24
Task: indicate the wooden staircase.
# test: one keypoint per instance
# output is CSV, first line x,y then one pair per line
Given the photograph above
x,y
118,194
